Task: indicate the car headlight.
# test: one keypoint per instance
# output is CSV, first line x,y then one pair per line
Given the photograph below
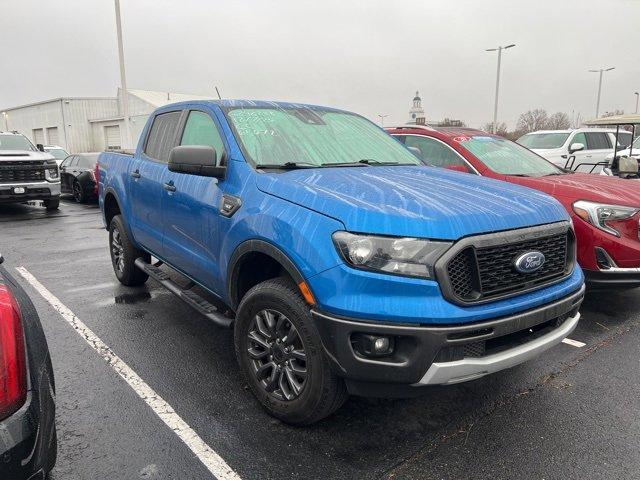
x,y
598,214
411,257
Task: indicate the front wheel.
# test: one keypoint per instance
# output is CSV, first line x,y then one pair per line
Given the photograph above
x,y
124,254
281,356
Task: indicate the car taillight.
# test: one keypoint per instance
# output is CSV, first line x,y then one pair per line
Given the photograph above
x,y
13,369
96,177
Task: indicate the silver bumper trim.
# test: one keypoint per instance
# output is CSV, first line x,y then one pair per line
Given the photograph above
x,y
54,187
471,368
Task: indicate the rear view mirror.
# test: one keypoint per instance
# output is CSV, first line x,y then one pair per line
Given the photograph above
x,y
195,160
576,147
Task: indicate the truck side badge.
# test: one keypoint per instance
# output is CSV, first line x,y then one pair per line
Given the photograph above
x,y
229,205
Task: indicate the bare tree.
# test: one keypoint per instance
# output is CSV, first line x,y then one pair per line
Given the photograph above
x,y
533,120
500,130
558,121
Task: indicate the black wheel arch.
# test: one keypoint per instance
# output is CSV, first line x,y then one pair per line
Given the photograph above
x,y
111,206
243,255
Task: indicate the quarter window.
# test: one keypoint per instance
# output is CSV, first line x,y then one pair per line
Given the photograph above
x,y
162,136
201,130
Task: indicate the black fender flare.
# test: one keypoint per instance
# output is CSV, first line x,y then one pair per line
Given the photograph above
x,y
256,246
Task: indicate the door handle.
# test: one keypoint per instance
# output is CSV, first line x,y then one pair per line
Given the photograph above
x,y
135,174
169,187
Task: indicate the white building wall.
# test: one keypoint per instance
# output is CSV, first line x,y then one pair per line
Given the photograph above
x,y
36,116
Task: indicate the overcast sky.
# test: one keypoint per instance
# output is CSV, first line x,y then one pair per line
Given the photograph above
x,y
366,56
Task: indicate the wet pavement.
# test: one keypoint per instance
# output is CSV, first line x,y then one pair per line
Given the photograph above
x,y
572,413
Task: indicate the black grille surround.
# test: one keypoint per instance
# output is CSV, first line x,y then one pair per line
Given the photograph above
x,y
479,269
22,171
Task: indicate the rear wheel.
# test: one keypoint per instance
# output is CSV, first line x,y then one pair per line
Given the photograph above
x,y
51,204
124,254
78,192
281,355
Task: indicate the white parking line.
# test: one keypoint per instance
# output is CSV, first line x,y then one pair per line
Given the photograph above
x,y
573,343
209,458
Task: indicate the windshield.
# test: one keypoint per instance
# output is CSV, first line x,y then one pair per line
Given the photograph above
x,y
313,137
15,142
543,140
508,158
58,153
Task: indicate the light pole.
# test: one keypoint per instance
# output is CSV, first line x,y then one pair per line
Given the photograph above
x,y
382,117
637,96
6,120
495,107
123,78
601,71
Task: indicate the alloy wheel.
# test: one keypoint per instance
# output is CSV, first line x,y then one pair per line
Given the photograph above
x,y
117,250
277,355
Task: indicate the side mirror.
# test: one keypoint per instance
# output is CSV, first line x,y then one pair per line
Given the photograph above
x,y
457,168
40,147
576,147
195,160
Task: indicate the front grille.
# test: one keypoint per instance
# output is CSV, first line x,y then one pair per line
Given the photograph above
x,y
483,272
21,172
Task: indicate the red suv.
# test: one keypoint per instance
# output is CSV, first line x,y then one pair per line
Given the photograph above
x,y
605,210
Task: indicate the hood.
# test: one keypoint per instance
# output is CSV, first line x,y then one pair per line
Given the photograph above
x,y
585,186
413,201
14,155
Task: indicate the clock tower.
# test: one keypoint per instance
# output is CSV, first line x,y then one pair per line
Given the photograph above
x,y
416,113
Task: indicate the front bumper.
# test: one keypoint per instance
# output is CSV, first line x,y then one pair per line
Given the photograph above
x,y
33,191
613,278
428,355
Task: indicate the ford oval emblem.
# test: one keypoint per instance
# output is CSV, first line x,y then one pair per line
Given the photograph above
x,y
529,262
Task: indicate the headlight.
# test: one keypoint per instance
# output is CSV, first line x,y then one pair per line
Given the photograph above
x,y
399,256
598,214
51,173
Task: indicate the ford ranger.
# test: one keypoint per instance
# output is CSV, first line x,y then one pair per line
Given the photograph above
x,y
27,173
343,265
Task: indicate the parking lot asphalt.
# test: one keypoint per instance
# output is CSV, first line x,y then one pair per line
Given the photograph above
x,y
573,413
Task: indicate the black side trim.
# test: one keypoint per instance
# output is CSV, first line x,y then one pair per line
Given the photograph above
x,y
252,246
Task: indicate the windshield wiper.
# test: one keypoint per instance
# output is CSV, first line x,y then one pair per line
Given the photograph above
x,y
520,175
556,173
364,162
286,165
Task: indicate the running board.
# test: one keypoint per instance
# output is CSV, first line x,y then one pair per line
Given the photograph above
x,y
191,298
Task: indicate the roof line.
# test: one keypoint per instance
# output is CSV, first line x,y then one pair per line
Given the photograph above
x,y
52,100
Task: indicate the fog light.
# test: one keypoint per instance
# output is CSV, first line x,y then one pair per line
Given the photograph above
x,y
372,345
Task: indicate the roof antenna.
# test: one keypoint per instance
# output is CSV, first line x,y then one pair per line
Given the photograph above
x,y
218,92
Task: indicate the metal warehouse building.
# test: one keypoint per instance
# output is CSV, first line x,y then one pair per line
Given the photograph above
x,y
87,124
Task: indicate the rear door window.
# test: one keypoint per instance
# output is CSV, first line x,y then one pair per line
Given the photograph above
x,y
162,136
201,130
597,140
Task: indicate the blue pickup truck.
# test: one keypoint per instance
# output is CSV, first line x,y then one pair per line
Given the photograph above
x,y
342,264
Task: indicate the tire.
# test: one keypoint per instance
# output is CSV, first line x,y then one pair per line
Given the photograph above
x,y
78,192
51,204
320,391
124,254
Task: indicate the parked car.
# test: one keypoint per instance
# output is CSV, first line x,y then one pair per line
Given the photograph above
x,y
605,210
633,151
589,145
27,173
79,176
58,153
347,265
28,442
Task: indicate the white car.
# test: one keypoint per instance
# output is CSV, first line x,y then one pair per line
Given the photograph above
x,y
59,153
588,145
